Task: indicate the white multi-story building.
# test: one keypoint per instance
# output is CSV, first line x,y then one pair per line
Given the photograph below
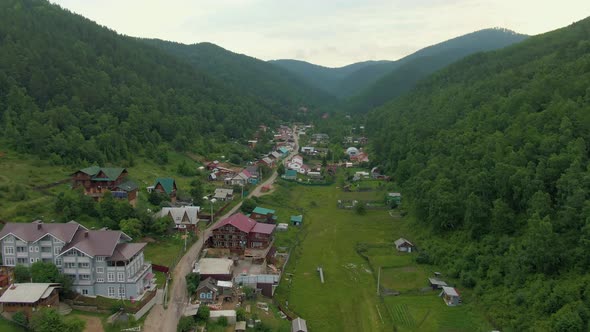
x,y
99,262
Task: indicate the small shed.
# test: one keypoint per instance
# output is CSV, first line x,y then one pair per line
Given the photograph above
x,y
436,283
229,314
451,296
290,174
282,227
403,245
297,220
207,291
393,198
298,325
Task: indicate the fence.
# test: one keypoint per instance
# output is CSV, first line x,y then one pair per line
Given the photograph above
x,y
160,268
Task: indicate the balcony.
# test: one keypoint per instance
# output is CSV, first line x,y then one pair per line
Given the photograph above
x,y
46,255
70,271
69,259
146,266
45,243
22,254
83,282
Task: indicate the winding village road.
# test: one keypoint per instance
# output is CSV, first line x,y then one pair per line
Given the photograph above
x,y
165,320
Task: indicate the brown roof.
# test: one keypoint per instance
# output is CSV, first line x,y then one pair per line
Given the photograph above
x,y
239,221
125,251
263,228
34,231
96,243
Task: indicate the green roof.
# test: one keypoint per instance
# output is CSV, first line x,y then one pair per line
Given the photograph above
x,y
291,173
112,173
283,150
298,218
167,184
263,211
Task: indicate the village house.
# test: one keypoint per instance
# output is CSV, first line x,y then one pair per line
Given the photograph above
x,y
99,262
207,291
185,218
30,297
240,179
275,155
403,245
261,214
436,283
320,138
267,161
308,150
361,157
224,194
97,180
451,296
254,174
239,232
166,186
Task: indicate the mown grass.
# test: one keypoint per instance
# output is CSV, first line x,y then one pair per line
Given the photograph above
x,y
348,299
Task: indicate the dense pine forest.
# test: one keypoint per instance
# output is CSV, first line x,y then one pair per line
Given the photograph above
x,y
492,154
73,91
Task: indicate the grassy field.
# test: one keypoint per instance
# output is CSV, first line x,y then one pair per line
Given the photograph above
x,y
348,299
6,326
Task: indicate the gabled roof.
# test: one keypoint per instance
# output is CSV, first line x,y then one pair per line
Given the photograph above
x,y
263,228
450,291
298,324
27,293
263,211
253,170
167,183
239,221
96,243
125,251
401,241
267,160
298,218
208,283
246,173
178,213
34,231
110,173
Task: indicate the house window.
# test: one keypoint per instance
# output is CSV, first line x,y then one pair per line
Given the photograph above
x,y
9,261
36,249
21,261
111,277
84,291
9,239
70,265
8,250
21,249
58,261
32,260
84,277
209,295
83,265
111,291
203,295
56,250
120,276
99,279
100,258
121,292
100,270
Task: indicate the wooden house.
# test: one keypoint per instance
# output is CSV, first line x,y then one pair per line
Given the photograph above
x,y
207,291
261,214
403,245
166,186
451,296
30,297
96,180
239,232
297,220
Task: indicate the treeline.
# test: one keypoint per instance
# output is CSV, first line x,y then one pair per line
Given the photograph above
x,y
492,155
73,91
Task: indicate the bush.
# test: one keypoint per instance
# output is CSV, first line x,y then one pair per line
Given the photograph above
x,y
240,314
185,324
20,318
423,258
203,314
222,321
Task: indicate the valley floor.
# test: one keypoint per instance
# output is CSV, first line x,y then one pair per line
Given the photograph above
x,y
348,299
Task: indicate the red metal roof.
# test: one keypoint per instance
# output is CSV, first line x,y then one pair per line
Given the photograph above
x,y
263,228
239,221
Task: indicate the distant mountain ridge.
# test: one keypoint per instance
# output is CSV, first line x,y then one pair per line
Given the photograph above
x,y
358,79
271,84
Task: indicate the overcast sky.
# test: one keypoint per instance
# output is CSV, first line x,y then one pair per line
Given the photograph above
x,y
327,32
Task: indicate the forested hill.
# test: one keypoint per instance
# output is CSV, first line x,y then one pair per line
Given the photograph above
x,y
276,86
73,90
371,83
492,154
340,82
419,65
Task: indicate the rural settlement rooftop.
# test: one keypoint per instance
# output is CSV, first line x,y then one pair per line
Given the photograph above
x,y
263,211
210,266
27,293
450,291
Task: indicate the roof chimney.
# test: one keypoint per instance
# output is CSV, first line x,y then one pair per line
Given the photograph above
x,y
86,234
39,226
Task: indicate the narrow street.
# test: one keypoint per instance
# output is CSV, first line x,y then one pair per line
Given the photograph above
x,y
165,320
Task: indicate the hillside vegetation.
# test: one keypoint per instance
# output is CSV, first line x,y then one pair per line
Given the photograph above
x,y
492,155
415,67
71,90
274,86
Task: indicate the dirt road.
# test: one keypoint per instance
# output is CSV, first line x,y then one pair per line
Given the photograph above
x,y
165,320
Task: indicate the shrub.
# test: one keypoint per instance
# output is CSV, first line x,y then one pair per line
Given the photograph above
x,y
20,318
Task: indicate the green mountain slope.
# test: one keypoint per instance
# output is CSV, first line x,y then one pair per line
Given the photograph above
x,y
277,87
419,65
75,91
372,83
492,155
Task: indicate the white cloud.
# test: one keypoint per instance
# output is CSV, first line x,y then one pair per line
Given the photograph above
x,y
326,32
